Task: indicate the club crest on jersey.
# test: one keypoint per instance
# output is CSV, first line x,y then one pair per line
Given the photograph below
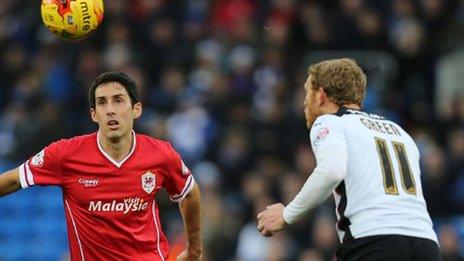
x,y
148,182
38,159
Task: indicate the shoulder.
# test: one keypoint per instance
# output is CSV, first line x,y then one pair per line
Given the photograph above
x,y
330,121
158,149
153,144
80,139
68,146
327,127
74,141
327,119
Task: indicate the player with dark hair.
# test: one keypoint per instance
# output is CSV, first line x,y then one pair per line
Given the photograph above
x,y
109,181
362,158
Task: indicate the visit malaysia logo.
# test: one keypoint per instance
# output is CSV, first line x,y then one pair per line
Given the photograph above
x,y
128,204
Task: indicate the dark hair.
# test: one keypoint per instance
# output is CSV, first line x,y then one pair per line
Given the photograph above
x,y
119,77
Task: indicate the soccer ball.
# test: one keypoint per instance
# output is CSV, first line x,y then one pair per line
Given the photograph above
x,y
72,19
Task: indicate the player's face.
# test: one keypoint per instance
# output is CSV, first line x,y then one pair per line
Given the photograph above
x,y
113,111
311,103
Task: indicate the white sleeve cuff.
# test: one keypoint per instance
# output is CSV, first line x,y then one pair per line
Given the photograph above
x,y
25,175
288,217
189,183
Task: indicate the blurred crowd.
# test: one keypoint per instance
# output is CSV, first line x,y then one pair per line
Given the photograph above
x,y
222,80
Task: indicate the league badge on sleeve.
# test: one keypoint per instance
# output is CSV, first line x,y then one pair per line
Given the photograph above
x,y
38,159
321,134
148,182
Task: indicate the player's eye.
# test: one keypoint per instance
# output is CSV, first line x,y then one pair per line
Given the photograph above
x,y
101,102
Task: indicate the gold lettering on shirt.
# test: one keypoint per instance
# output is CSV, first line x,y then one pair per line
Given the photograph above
x,y
380,126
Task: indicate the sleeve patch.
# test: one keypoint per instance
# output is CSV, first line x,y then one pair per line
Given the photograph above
x,y
321,135
39,159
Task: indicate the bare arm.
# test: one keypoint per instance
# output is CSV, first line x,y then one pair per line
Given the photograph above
x,y
190,208
9,182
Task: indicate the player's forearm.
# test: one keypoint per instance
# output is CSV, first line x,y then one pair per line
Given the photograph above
x,y
190,209
9,182
330,171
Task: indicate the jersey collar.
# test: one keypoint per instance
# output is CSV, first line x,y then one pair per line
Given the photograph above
x,y
344,110
116,163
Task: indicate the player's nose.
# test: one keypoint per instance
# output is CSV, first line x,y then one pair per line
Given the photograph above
x,y
110,110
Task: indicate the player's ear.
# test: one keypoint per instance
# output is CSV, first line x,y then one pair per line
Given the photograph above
x,y
93,115
322,96
137,110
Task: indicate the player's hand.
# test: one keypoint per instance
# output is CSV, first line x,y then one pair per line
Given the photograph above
x,y
188,256
271,220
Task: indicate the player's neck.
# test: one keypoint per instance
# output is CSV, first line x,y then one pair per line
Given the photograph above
x,y
332,108
351,106
117,149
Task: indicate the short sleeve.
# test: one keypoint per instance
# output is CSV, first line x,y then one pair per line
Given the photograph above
x,y
327,130
44,168
179,180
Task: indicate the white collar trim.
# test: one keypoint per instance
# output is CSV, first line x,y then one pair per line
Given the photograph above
x,y
117,164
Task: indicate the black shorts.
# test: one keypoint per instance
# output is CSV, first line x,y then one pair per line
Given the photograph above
x,y
389,247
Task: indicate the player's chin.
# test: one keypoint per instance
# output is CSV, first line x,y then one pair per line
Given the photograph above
x,y
112,134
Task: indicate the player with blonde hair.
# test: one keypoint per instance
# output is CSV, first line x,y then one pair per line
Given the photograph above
x,y
369,163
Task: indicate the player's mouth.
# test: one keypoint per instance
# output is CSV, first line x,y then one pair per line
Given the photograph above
x,y
113,124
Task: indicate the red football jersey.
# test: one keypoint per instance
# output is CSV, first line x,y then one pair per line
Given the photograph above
x,y
110,206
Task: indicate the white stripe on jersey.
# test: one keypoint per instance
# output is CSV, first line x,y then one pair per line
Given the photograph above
x,y
157,231
30,177
75,230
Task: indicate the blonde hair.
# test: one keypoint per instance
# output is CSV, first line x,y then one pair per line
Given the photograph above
x,y
343,80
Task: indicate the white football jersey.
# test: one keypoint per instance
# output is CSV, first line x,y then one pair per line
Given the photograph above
x,y
381,193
